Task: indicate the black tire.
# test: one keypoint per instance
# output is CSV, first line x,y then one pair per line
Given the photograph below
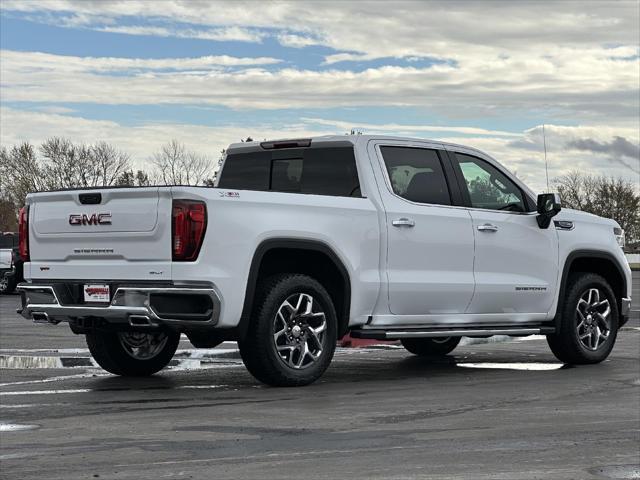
x,y
259,349
566,343
430,347
109,350
7,284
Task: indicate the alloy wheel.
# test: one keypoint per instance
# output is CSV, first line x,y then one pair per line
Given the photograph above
x,y
593,325
141,345
299,327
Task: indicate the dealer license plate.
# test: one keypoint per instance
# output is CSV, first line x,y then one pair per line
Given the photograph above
x,y
96,293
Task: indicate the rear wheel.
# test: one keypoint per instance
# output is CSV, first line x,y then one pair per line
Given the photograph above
x,y
588,321
292,335
133,353
426,347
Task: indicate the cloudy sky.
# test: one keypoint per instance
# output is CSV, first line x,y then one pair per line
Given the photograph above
x,y
486,74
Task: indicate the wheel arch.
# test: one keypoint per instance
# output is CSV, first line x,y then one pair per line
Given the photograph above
x,y
286,255
592,261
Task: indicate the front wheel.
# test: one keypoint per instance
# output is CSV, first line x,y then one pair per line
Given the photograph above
x,y
292,335
588,321
132,354
430,347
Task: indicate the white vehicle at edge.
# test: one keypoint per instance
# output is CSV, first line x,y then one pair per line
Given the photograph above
x,y
305,240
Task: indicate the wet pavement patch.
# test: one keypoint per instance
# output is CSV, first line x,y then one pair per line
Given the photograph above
x,y
530,366
182,361
617,472
37,361
14,427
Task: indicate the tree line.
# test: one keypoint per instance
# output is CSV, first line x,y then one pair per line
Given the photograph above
x,y
604,196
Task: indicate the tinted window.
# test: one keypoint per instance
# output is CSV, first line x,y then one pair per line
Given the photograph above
x,y
285,175
319,171
416,174
488,187
246,171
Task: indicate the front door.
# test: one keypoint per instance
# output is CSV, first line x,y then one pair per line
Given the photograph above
x,y
516,262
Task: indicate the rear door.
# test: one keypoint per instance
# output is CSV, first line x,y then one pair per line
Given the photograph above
x,y
429,239
121,233
516,262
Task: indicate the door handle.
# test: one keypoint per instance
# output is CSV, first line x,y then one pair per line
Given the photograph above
x,y
403,222
487,227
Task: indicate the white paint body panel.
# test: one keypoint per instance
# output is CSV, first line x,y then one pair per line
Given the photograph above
x,y
442,271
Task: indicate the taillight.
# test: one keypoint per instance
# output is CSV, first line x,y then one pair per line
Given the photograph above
x,y
189,222
23,233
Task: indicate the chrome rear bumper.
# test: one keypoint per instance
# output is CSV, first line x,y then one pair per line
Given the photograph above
x,y
130,305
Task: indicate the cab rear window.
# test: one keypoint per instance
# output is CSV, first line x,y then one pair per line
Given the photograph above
x,y
318,171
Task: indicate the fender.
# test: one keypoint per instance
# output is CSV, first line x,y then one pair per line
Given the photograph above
x,y
573,256
263,248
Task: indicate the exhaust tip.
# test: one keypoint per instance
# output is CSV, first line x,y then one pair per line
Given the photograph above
x,y
41,317
140,321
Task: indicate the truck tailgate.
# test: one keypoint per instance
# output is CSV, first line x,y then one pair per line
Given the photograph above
x,y
120,233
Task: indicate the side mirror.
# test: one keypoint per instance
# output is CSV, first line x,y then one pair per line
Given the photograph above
x,y
548,207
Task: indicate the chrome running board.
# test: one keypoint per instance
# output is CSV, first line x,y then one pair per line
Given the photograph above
x,y
394,334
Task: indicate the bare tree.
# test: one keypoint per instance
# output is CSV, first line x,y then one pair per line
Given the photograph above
x,y
69,166
20,173
604,196
175,165
108,163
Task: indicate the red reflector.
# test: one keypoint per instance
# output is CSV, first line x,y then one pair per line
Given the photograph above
x,y
189,222
23,233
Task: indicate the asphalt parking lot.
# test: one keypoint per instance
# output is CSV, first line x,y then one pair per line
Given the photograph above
x,y
502,410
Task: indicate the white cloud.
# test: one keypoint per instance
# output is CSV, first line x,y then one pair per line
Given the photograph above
x,y
138,30
35,63
372,128
574,83
226,34
297,41
56,109
345,57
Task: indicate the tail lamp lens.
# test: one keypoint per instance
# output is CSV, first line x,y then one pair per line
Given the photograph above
x,y
23,233
189,222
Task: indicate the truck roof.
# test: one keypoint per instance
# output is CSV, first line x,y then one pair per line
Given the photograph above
x,y
255,145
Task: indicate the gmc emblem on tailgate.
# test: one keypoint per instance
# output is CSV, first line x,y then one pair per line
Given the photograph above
x,y
93,219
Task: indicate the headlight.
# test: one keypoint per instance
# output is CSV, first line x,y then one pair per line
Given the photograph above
x,y
619,234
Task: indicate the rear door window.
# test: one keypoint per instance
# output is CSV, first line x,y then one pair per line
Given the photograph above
x,y
318,171
416,174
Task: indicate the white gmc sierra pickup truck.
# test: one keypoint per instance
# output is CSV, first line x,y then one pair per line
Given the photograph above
x,y
303,241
